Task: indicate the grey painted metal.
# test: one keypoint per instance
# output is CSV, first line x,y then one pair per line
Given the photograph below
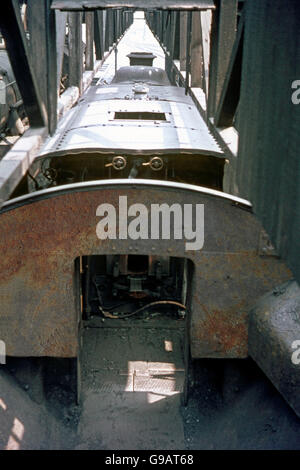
x,y
89,49
138,4
206,19
268,164
226,36
99,34
41,21
61,19
51,68
183,27
188,51
223,36
36,21
75,50
274,338
17,47
196,51
91,126
230,92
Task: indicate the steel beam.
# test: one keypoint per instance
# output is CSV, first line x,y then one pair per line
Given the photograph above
x,y
75,50
230,94
223,37
89,47
196,51
99,32
82,5
17,48
183,27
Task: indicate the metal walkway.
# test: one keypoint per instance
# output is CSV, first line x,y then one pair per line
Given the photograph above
x,y
133,378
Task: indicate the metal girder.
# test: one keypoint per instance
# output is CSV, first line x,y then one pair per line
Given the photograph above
x,y
89,48
223,34
61,19
17,48
75,50
196,51
188,50
183,28
82,5
99,30
51,68
230,94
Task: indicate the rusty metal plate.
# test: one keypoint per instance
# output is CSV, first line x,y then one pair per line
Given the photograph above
x,y
42,234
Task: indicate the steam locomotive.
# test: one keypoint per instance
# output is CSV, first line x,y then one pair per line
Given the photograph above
x,y
142,138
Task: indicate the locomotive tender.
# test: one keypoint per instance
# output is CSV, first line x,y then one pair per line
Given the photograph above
x,y
141,138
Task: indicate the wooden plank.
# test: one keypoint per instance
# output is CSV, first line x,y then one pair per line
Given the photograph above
x,y
89,47
82,5
75,50
17,48
231,90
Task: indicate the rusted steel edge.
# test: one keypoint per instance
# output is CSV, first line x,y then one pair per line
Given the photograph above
x,y
140,183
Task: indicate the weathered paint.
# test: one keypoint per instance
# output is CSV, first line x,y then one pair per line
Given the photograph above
x,y
43,234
